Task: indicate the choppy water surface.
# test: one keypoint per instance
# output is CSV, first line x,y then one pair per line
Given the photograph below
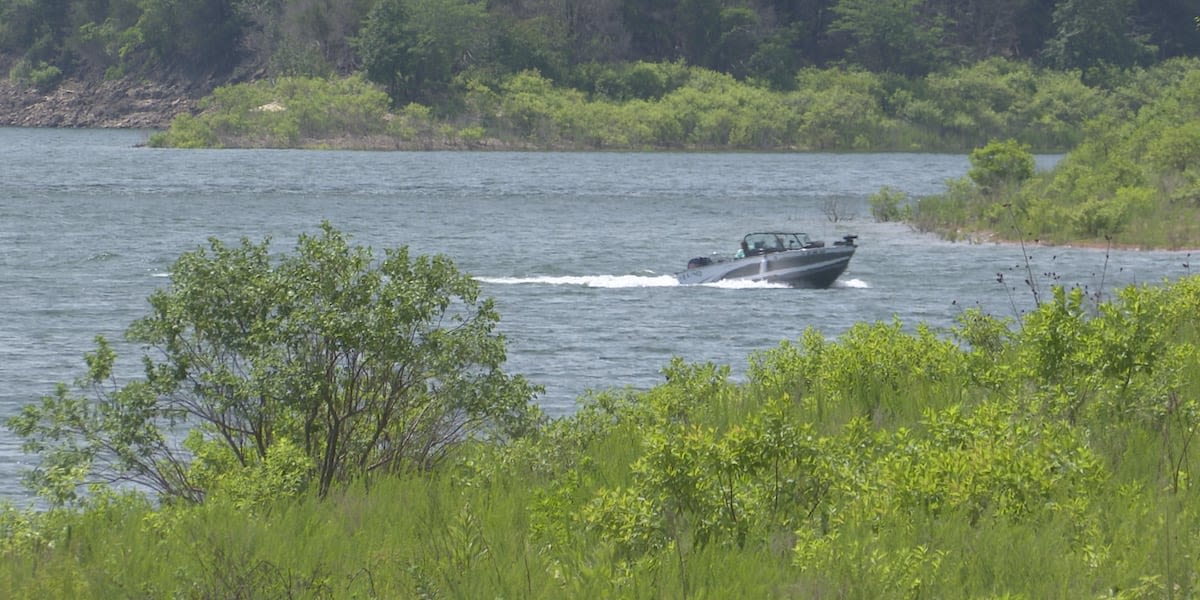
x,y
576,248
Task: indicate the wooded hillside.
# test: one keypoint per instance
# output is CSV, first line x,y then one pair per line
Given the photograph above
x,y
420,50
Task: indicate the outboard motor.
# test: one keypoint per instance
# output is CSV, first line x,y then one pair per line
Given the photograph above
x,y
847,240
699,261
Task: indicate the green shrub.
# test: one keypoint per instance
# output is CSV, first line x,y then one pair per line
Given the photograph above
x,y
999,165
837,109
44,77
281,113
186,131
322,366
886,205
1097,218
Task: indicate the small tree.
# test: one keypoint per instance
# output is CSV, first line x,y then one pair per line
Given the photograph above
x,y
999,165
1097,35
415,47
384,46
898,36
364,366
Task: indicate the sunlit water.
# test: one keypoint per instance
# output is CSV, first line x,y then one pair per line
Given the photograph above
x,y
577,248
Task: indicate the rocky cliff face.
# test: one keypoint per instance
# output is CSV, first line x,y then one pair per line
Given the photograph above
x,y
80,103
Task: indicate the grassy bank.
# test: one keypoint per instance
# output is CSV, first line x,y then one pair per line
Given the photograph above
x,y
1049,457
1130,183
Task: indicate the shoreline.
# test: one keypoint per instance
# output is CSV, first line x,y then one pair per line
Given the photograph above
x,y
129,104
978,238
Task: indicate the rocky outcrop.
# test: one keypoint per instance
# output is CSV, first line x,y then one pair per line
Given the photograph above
x,y
122,103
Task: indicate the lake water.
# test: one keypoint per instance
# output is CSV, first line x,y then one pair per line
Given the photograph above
x,y
576,248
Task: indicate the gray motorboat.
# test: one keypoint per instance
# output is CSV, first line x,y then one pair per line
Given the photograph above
x,y
776,257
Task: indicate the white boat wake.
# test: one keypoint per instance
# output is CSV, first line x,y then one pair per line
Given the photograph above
x,y
622,281
857,284
596,281
632,281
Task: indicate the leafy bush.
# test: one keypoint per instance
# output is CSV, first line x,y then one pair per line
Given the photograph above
x,y
325,367
999,165
838,109
624,82
186,131
1098,218
43,76
285,112
948,213
885,205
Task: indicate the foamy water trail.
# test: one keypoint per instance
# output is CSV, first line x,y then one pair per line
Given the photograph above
x,y
742,284
597,281
852,283
622,281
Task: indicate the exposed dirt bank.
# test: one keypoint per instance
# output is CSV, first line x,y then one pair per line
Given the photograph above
x,y
81,103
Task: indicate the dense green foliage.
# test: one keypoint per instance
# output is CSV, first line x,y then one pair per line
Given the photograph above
x,y
740,37
1131,180
287,112
416,48
634,74
670,105
1050,456
316,369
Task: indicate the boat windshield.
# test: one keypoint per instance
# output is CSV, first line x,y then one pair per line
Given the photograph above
x,y
763,243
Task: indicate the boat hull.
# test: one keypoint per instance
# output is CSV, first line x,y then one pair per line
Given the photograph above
x,y
807,268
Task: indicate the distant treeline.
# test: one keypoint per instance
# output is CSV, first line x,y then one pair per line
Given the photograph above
x,y
427,50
